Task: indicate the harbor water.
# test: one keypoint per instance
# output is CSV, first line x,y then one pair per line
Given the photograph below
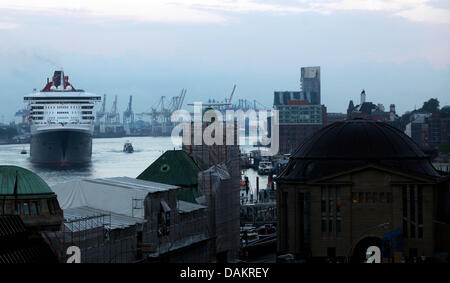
x,y
108,160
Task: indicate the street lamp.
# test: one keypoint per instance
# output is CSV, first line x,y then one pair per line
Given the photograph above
x,y
382,225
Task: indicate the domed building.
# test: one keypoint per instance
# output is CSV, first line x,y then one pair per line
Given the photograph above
x,y
24,193
359,183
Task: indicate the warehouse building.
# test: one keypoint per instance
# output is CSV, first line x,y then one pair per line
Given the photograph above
x,y
123,219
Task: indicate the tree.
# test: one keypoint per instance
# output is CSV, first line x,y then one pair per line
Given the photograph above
x,y
444,147
431,105
445,112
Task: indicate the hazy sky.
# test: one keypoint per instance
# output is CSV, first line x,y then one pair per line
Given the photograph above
x,y
397,50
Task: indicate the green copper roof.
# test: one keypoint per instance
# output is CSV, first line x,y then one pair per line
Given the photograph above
x,y
175,167
28,183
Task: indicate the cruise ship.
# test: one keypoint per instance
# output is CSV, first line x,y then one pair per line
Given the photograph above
x,y
61,122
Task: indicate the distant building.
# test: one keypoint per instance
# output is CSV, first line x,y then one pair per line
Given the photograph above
x,y
310,84
368,110
439,130
335,117
300,112
361,183
418,130
298,120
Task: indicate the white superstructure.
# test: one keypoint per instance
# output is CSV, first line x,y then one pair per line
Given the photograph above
x,y
61,106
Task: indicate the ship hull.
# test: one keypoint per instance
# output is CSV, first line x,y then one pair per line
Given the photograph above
x,y
61,147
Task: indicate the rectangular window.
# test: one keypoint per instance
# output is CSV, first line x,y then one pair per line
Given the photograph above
x,y
420,212
50,207
286,218
26,208
405,211
338,227
361,197
323,204
331,209
18,209
330,202
324,227
330,227
381,197
338,202
354,198
412,211
369,197
389,197
34,208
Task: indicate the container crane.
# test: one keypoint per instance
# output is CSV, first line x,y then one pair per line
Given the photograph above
x,y
128,114
113,116
100,114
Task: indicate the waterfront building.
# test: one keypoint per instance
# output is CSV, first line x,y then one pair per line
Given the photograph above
x,y
360,183
25,194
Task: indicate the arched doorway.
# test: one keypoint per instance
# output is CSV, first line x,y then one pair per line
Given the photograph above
x,y
359,251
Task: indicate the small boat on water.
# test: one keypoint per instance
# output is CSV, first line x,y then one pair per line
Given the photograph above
x,y
128,147
265,167
23,151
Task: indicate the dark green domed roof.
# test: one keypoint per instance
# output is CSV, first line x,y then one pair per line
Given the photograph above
x,y
28,183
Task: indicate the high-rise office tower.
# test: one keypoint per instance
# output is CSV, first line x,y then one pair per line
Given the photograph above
x,y
310,84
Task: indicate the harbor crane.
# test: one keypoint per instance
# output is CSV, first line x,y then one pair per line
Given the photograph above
x,y
128,114
101,113
162,111
113,117
219,105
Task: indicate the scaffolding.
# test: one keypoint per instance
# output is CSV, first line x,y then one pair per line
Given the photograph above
x,y
97,238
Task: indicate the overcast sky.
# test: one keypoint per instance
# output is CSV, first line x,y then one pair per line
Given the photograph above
x,y
397,50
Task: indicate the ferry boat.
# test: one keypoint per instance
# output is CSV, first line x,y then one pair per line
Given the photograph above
x,y
128,147
61,122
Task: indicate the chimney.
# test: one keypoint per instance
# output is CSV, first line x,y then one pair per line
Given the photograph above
x,y
392,108
363,96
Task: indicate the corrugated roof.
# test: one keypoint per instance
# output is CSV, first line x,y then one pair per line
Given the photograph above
x,y
185,207
122,195
28,183
174,167
17,247
38,253
131,183
11,225
111,220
